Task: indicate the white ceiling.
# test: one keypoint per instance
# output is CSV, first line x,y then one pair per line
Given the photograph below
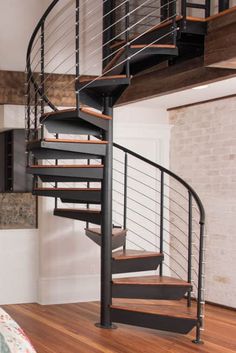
x,y
188,96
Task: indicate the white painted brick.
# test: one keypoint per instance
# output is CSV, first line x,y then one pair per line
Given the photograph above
x,y
203,152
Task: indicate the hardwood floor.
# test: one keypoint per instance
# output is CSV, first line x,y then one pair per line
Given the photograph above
x,y
69,328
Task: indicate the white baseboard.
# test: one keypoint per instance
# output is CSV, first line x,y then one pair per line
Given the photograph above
x,y
71,289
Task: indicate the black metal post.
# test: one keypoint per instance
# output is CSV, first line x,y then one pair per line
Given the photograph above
x,y
125,194
106,225
42,76
189,244
164,9
208,8
161,219
223,5
77,50
199,296
108,19
184,9
127,63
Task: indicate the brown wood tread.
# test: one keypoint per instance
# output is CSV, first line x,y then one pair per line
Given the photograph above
x,y
89,78
81,210
89,142
67,189
68,166
115,231
151,281
82,109
164,307
133,254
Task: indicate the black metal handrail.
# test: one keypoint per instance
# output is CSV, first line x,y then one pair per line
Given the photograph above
x,y
192,195
30,77
167,171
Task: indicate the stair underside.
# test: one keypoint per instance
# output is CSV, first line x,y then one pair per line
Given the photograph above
x,y
135,261
142,56
150,287
79,195
118,236
165,315
84,215
94,147
63,173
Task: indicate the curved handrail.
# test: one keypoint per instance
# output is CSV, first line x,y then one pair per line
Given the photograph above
x,y
175,176
28,54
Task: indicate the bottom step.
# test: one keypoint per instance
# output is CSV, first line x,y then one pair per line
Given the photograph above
x,y
152,316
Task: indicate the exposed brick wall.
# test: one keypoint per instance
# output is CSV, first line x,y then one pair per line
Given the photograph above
x,y
203,152
17,211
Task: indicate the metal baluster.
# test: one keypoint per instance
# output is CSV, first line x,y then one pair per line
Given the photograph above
x,y
77,49
161,219
199,297
127,23
42,76
125,193
223,5
189,244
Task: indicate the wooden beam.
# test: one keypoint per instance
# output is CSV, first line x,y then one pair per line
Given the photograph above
x,y
173,79
220,42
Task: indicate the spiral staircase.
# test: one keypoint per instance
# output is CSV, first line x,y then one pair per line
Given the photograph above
x,y
144,217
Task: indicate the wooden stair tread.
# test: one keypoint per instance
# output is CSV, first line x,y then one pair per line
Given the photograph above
x,y
81,210
151,281
133,254
163,307
96,114
82,109
115,231
67,189
68,166
58,112
90,142
113,77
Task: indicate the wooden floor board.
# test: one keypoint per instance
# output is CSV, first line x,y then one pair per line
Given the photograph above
x,y
69,328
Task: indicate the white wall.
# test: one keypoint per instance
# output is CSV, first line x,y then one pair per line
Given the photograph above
x,y
17,21
18,266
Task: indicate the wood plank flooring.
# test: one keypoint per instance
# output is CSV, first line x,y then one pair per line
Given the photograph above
x,y
69,328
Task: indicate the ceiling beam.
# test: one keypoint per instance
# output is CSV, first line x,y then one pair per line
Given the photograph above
x,y
172,79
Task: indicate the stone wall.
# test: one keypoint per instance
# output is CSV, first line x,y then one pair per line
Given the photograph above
x,y
203,152
17,211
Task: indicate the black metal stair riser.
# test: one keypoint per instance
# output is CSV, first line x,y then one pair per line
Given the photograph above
x,y
72,127
136,265
94,93
44,153
98,122
71,173
85,148
72,196
94,218
164,292
117,241
153,321
145,60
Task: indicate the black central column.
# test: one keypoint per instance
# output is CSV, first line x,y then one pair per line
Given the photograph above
x,y
106,248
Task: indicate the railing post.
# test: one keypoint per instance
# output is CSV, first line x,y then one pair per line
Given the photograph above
x,y
42,76
223,5
127,24
189,244
184,9
164,9
200,286
108,29
106,225
161,219
77,50
125,193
